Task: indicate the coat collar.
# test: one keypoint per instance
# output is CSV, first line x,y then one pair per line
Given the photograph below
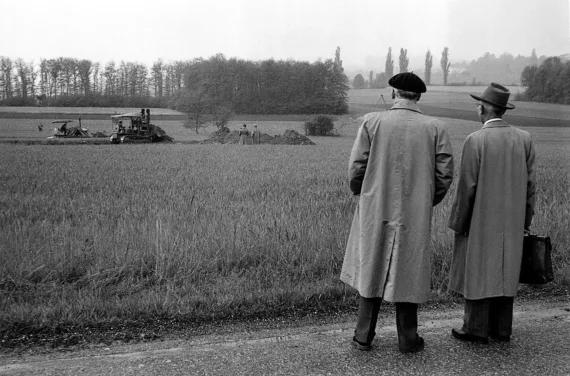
x,y
495,123
405,104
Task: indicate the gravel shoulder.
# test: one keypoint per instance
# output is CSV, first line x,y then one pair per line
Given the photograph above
x,y
322,346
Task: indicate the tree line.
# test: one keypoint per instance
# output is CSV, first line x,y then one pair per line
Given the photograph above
x,y
75,82
381,79
264,87
506,69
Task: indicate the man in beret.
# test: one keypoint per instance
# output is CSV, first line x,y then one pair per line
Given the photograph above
x,y
493,207
401,166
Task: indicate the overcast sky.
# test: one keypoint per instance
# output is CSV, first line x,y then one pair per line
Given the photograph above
x,y
144,31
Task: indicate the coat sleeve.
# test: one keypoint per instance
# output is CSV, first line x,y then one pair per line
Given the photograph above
x,y
443,166
462,208
359,159
531,185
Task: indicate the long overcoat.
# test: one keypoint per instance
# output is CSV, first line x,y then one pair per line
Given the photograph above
x,y
493,205
401,164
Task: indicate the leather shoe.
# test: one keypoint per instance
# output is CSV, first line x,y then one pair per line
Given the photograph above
x,y
463,336
360,345
414,346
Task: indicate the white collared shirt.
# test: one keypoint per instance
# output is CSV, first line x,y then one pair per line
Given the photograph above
x,y
492,120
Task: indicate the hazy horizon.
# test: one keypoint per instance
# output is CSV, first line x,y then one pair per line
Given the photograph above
x,y
126,30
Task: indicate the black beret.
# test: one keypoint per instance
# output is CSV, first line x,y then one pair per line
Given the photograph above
x,y
408,81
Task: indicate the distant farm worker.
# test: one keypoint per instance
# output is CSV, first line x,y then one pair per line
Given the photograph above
x,y
256,135
243,135
401,166
63,129
493,207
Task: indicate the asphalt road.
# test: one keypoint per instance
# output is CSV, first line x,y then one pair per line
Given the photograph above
x,y
540,345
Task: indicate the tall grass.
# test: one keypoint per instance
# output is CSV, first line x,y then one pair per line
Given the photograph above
x,y
99,233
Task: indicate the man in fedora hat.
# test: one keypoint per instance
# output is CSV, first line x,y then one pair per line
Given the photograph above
x,y
493,208
401,165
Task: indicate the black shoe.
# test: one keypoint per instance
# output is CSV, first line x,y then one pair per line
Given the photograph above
x,y
414,346
501,338
461,335
361,346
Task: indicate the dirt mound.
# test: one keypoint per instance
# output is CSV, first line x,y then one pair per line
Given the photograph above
x,y
161,135
290,137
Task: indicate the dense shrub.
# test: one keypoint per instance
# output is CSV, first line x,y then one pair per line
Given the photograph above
x,y
549,82
320,125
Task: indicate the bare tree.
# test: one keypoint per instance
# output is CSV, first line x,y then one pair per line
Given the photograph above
x,y
157,72
6,70
221,115
196,104
22,74
33,76
111,79
54,68
95,82
44,77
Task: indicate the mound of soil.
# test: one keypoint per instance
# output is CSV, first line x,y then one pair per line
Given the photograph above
x,y
162,136
290,137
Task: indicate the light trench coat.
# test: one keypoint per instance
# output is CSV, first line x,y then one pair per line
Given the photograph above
x,y
493,205
402,165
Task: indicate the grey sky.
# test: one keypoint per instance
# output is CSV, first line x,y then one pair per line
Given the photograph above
x,y
140,31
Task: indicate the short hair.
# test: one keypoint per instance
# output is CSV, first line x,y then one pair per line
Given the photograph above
x,y
408,95
495,110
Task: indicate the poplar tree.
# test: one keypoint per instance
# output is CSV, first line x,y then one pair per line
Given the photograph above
x,y
445,64
403,61
428,65
389,70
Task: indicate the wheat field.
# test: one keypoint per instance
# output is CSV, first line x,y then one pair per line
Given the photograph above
x,y
95,233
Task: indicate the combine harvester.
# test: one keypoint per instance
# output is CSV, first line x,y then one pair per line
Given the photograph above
x,y
136,127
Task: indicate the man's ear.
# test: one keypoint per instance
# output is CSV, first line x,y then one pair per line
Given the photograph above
x,y
481,109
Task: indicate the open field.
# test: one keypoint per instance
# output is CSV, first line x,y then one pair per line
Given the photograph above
x,y
460,104
26,130
130,233
118,235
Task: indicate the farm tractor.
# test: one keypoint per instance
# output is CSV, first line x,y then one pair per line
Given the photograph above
x,y
135,127
63,131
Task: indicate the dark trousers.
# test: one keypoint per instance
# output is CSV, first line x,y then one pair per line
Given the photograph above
x,y
489,317
406,321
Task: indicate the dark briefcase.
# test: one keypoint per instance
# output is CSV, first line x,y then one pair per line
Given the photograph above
x,y
536,267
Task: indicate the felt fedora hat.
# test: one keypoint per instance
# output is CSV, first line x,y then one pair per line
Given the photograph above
x,y
497,95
